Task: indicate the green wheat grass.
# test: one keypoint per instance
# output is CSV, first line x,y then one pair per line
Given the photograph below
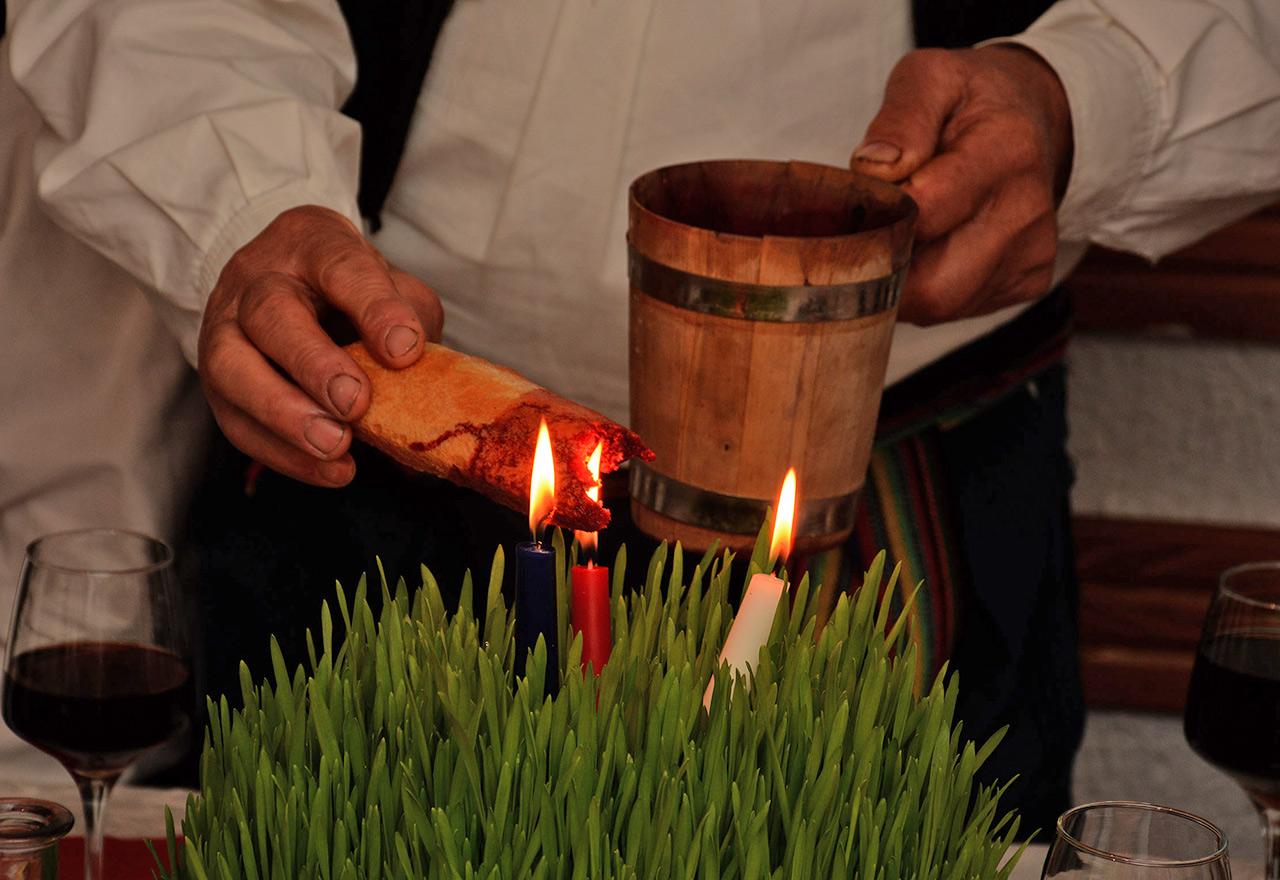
x,y
407,752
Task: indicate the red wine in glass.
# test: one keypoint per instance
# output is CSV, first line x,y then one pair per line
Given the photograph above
x,y
97,706
96,669
1233,710
1232,717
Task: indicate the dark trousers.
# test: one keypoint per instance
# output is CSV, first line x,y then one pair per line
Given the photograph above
x,y
267,558
1016,653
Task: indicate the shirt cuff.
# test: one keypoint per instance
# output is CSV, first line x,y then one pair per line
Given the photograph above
x,y
1114,94
245,225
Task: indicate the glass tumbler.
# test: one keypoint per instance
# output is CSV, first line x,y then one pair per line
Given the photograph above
x,y
1124,840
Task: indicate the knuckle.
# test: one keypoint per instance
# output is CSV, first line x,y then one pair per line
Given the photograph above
x,y
349,269
932,70
1035,235
1025,212
1045,253
262,300
1049,229
929,312
302,220
298,233
288,228
920,66
929,303
911,62
314,365
277,414
924,59
209,323
1039,282
294,218
236,271
1023,141
288,220
386,311
1029,285
215,356
1030,288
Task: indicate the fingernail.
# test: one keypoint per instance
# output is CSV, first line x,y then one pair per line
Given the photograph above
x,y
342,392
338,472
400,340
324,434
880,152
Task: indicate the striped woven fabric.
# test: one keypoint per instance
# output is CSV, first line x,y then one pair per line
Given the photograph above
x,y
904,511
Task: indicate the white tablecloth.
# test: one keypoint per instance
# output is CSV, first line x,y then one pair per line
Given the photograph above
x,y
138,812
1030,864
1033,861
131,811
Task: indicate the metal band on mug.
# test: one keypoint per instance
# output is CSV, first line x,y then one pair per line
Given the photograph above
x,y
706,509
763,302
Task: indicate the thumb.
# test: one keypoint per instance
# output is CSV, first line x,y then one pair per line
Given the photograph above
x,y
923,90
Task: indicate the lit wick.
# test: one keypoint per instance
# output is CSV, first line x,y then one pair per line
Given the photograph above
x,y
535,570
590,615
542,483
754,620
784,521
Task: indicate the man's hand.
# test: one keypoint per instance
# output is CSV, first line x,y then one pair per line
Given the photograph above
x,y
281,389
981,139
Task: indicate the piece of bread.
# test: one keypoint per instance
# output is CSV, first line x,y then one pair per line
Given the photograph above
x,y
475,423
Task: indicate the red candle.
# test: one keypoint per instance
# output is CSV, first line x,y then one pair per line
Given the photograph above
x,y
590,615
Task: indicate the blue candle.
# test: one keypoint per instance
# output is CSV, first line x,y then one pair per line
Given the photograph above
x,y
536,609
536,570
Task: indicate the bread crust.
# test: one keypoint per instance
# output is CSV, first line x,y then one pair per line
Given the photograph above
x,y
475,424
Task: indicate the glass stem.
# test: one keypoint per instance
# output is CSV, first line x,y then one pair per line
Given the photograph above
x,y
93,794
1271,840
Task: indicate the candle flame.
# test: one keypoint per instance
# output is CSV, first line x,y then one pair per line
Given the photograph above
x,y
542,485
784,520
587,540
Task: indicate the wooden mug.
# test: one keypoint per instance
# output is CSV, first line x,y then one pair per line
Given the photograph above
x,y
763,298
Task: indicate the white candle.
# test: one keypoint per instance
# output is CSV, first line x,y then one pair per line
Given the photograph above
x,y
750,628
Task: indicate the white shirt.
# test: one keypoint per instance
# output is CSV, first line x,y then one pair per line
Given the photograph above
x,y
537,114
101,421
164,135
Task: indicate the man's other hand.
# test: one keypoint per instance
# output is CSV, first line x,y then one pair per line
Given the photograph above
x,y
981,139
282,391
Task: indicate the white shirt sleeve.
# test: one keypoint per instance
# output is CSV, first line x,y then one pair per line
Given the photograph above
x,y
1176,115
174,132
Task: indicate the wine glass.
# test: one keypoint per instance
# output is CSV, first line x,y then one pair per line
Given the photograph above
x,y
1233,706
1119,840
97,671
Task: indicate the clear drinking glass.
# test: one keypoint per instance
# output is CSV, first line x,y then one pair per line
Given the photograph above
x,y
1233,706
1118,840
29,833
97,670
